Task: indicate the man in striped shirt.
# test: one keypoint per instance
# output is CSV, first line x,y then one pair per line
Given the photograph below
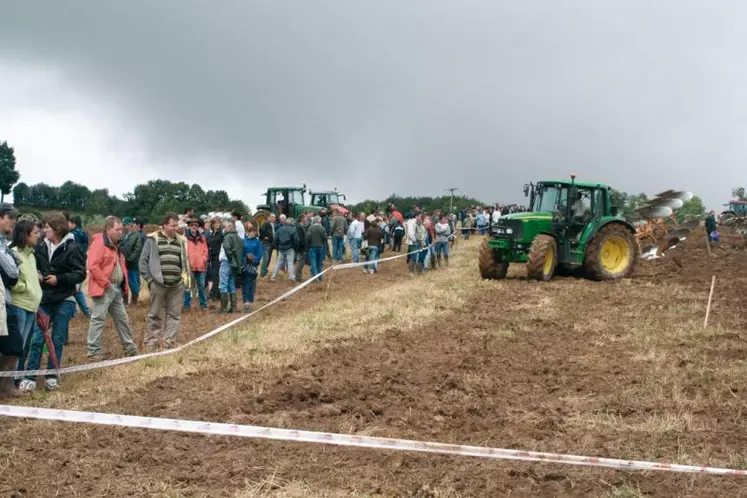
x,y
164,266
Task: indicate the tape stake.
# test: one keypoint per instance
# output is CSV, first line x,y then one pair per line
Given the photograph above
x,y
257,432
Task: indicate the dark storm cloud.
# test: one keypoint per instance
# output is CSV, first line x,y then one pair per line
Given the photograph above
x,y
413,96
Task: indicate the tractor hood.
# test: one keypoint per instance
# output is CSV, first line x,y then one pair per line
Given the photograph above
x,y
528,216
522,227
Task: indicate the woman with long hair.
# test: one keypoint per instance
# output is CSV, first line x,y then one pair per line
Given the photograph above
x,y
27,293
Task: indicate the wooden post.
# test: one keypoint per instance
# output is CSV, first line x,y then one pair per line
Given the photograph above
x,y
710,299
708,245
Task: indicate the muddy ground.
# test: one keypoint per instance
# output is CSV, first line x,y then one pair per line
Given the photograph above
x,y
548,367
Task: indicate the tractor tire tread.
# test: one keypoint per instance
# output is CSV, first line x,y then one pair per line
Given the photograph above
x,y
593,267
489,267
536,261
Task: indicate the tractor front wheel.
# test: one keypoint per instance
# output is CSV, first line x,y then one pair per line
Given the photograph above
x,y
489,267
260,217
611,254
543,258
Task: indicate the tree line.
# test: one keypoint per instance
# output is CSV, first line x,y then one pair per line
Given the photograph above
x,y
405,204
147,202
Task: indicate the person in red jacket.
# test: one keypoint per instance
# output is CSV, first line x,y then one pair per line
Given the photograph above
x,y
107,286
198,254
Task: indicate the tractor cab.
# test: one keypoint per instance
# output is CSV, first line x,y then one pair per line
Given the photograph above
x,y
569,225
329,199
283,200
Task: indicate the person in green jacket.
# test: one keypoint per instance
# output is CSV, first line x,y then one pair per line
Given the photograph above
x,y
231,264
27,293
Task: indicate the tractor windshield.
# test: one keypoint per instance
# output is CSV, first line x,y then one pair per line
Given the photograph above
x,y
549,198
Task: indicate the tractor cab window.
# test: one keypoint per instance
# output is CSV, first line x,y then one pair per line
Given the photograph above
x,y
549,199
295,197
280,202
333,199
319,200
581,207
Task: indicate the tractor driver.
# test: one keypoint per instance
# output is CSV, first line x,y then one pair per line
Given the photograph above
x,y
578,209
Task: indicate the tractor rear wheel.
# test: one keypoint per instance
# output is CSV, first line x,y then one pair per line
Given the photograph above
x,y
260,217
611,254
489,267
543,258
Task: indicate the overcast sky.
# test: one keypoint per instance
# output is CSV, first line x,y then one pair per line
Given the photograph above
x,y
377,96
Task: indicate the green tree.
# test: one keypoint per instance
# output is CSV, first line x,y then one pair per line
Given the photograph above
x,y
739,194
8,174
694,209
21,194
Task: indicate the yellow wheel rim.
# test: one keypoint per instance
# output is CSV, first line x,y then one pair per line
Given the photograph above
x,y
549,259
259,219
615,254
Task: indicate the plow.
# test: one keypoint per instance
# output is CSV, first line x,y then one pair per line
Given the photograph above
x,y
657,229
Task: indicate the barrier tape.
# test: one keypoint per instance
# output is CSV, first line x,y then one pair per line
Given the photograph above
x,y
130,359
258,432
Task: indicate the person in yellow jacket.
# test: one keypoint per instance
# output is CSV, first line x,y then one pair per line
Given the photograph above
x,y
27,293
164,265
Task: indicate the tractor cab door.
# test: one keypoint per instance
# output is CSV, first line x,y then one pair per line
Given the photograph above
x,y
583,208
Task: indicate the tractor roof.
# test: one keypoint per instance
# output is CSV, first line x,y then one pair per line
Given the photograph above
x,y
325,192
575,184
737,202
286,188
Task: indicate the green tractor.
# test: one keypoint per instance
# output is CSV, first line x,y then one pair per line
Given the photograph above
x,y
571,226
289,201
328,199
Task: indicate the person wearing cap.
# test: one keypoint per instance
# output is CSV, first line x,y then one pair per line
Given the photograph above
x,y
215,242
11,339
132,247
62,266
198,252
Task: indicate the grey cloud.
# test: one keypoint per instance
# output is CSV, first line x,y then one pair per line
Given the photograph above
x,y
414,96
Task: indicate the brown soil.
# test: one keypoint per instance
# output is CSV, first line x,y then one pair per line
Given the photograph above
x,y
538,367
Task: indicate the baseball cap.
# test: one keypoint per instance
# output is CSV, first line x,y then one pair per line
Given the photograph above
x,y
128,220
8,210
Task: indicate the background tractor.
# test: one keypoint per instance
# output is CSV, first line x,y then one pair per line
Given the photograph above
x,y
570,226
290,201
328,199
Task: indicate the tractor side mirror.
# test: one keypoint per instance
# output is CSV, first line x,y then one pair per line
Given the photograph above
x,y
526,190
343,197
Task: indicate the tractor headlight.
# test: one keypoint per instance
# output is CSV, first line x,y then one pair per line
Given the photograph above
x,y
509,231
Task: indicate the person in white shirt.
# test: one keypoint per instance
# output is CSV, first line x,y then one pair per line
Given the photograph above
x,y
238,224
355,235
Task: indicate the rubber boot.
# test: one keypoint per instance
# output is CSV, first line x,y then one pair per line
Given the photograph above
x,y
233,303
446,260
411,266
223,303
438,260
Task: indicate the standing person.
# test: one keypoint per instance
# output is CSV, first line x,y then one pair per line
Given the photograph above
x,y
253,251
416,235
355,236
132,247
231,265
373,237
107,285
398,233
27,293
164,266
198,252
11,338
301,251
214,245
710,224
62,267
467,224
316,241
327,225
481,222
81,238
338,235
286,241
238,224
443,232
267,237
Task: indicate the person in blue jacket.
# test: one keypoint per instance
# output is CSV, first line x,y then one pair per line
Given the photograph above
x,y
253,255
81,238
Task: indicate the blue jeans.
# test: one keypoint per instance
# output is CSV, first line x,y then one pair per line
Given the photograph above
x,y
248,287
199,278
355,249
133,279
227,280
26,325
61,314
442,248
316,260
80,298
373,255
338,247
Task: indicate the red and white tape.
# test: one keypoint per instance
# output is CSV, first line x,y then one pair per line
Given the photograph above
x,y
121,361
253,431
